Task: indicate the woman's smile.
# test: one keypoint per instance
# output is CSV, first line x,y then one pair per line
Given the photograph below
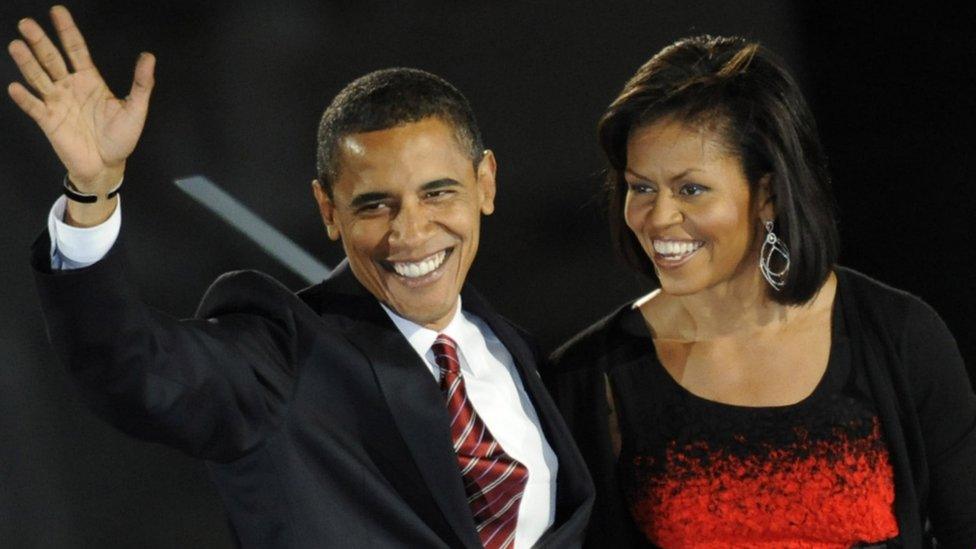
x,y
669,253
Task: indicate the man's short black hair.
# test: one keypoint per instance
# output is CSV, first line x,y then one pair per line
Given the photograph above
x,y
388,98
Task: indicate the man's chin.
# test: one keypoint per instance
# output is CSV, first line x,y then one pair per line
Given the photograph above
x,y
428,302
427,315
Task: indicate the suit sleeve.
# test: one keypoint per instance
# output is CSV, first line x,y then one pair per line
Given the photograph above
x,y
214,386
946,408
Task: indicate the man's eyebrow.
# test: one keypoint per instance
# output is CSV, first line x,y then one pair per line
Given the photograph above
x,y
367,198
439,184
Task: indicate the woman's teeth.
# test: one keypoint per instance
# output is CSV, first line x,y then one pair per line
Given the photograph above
x,y
420,268
676,248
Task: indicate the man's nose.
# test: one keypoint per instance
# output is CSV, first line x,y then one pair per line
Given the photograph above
x,y
410,226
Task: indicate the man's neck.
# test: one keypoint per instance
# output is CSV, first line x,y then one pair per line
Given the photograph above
x,y
436,326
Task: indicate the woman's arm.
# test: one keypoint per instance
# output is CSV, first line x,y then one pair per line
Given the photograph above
x,y
946,408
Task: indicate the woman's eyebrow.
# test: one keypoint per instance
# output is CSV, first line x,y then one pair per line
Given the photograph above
x,y
672,178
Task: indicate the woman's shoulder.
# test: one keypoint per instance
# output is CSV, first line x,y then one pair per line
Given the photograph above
x,y
870,287
589,348
886,304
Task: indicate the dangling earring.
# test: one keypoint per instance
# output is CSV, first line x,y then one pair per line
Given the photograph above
x,y
773,245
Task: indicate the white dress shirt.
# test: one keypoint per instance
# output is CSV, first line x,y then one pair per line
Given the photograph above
x,y
491,380
77,247
495,389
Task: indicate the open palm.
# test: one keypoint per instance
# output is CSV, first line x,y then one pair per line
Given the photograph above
x,y
91,130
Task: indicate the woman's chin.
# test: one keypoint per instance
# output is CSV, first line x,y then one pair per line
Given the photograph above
x,y
676,286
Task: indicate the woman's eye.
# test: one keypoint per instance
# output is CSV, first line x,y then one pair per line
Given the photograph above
x,y
692,189
641,188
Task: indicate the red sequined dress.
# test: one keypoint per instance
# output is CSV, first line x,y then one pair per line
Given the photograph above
x,y
698,473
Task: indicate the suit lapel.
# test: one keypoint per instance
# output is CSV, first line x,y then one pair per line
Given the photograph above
x,y
415,402
525,363
418,408
574,492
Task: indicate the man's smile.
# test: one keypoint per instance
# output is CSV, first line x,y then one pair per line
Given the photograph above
x,y
420,271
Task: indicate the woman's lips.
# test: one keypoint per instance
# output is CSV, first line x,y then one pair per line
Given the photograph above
x,y
671,253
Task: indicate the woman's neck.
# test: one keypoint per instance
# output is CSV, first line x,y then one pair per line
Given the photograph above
x,y
733,307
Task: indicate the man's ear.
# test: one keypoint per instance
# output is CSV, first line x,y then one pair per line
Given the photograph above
x,y
326,209
765,199
486,181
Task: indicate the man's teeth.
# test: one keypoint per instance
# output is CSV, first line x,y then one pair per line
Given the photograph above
x,y
420,268
676,248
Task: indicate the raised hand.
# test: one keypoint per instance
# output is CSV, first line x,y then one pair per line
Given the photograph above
x,y
91,130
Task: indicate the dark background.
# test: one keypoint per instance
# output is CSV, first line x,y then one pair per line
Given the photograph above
x,y
240,88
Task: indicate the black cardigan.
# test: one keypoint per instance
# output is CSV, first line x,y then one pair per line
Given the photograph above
x,y
910,365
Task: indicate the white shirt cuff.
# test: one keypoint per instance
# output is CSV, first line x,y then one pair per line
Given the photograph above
x,y
78,247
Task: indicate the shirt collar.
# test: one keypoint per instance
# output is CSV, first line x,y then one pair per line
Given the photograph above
x,y
421,339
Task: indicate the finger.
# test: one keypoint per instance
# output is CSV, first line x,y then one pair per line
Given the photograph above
x,y
142,82
31,105
44,50
30,68
71,39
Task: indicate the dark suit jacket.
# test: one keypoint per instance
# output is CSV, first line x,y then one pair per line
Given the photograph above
x,y
321,425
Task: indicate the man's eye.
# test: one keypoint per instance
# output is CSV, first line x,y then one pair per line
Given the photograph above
x,y
692,189
437,194
373,207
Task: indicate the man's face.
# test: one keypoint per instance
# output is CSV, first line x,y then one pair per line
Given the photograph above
x,y
407,205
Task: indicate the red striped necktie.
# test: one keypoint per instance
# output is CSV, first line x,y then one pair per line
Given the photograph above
x,y
493,480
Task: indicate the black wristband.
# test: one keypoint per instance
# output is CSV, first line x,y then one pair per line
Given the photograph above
x,y
73,193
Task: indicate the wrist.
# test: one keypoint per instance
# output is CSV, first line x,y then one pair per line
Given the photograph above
x,y
92,201
78,214
71,191
99,184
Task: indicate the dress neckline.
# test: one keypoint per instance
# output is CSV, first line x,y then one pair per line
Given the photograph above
x,y
634,323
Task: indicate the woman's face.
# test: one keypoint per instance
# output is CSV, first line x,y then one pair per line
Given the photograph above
x,y
689,204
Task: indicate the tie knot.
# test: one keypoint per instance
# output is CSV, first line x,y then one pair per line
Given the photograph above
x,y
445,354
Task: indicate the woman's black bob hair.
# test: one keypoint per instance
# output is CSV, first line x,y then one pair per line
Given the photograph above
x,y
742,91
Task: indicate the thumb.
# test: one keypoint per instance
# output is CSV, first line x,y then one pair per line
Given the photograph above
x,y
142,82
